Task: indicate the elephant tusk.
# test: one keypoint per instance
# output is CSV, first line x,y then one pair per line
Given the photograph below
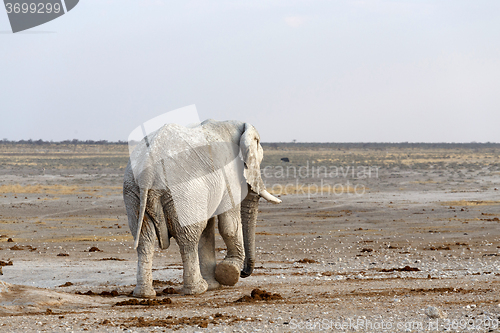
x,y
269,197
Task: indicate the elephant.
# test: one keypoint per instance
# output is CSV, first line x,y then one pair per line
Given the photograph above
x,y
181,181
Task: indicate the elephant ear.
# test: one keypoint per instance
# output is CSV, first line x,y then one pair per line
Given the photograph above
x,y
252,156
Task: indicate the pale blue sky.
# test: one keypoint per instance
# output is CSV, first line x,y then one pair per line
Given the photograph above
x,y
324,71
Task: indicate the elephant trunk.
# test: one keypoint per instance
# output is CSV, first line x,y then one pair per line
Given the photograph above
x,y
249,211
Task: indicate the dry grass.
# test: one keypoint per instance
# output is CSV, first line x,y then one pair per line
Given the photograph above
x,y
470,203
424,182
82,238
63,156
55,189
404,158
94,157
39,189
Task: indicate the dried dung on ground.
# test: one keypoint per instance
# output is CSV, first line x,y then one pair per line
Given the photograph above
x,y
113,293
259,295
174,323
306,261
404,269
145,302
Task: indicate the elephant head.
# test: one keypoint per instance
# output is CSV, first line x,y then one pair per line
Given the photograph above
x,y
253,154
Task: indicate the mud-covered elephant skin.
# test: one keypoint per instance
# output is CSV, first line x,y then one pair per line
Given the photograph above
x,y
179,182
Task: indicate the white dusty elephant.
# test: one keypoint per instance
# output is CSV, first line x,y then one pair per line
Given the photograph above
x,y
179,182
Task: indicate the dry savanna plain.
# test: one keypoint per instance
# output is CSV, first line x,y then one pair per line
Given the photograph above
x,y
369,238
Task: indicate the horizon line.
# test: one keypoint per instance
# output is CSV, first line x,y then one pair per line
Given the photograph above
x,y
77,141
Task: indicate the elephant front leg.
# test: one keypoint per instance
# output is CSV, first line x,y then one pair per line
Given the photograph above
x,y
144,287
206,254
228,271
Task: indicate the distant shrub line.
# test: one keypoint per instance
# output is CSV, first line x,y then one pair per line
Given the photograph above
x,y
65,142
297,145
378,145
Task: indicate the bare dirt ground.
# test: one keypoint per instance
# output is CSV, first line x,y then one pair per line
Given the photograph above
x,y
412,246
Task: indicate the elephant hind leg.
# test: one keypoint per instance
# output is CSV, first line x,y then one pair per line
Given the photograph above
x,y
144,287
206,254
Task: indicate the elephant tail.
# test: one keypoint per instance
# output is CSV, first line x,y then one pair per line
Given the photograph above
x,y
142,209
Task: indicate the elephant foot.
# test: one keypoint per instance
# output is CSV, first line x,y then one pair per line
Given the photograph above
x,y
227,273
144,292
213,284
197,288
